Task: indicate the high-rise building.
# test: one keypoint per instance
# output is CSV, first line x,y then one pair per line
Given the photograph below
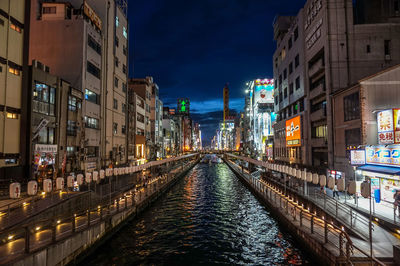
x,y
226,101
337,51
13,104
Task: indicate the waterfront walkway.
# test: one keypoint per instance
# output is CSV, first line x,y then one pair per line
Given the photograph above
x,y
34,236
382,240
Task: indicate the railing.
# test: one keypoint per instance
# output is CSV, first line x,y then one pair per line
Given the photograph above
x,y
34,235
276,195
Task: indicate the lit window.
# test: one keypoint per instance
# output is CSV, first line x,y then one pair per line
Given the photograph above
x,y
49,10
15,27
12,115
124,32
116,22
14,71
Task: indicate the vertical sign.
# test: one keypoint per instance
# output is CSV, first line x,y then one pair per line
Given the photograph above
x,y
396,121
183,106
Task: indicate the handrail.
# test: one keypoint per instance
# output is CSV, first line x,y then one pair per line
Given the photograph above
x,y
349,246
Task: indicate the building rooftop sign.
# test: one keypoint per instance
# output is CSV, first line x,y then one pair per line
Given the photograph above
x,y
89,12
388,122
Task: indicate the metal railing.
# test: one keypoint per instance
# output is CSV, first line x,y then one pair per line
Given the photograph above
x,y
34,235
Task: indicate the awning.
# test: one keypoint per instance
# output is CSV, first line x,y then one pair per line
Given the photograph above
x,y
380,169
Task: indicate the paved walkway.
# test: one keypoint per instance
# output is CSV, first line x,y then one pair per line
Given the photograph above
x,y
382,239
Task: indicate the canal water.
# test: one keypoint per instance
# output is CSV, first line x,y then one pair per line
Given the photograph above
x,y
209,217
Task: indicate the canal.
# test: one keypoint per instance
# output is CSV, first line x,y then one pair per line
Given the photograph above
x,y
208,217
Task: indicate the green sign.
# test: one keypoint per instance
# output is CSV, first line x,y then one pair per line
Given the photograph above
x,y
183,106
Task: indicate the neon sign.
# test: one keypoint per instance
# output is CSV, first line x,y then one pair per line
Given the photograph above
x,y
383,155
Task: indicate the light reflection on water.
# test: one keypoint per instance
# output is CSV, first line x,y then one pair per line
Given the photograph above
x,y
207,218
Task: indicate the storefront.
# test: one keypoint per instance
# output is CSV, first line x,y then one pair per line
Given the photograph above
x,y
44,161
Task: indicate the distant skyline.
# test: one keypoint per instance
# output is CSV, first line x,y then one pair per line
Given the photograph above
x,y
193,48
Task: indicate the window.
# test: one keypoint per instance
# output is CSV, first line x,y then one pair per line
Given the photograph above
x,y
94,44
124,108
49,10
280,80
14,71
276,100
351,104
290,68
140,132
140,118
387,47
123,86
301,105
291,88
290,43
124,69
116,81
115,128
116,22
296,33
1,22
123,129
124,50
116,41
285,74
15,27
92,96
12,115
92,69
368,48
352,138
125,33
319,131
71,128
115,104
283,53
46,136
71,151
285,93
116,62
280,96
396,5
297,83
91,122
73,103
44,98
296,61
92,151
318,106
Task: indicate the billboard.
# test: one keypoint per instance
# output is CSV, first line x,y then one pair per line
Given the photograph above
x,y
388,155
396,122
385,127
293,132
183,106
264,91
357,157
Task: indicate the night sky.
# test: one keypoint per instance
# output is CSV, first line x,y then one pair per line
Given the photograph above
x,y
192,48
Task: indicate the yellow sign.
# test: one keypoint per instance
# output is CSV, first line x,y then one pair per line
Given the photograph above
x,y
293,132
89,12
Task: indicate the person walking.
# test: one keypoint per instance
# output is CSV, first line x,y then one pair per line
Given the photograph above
x,y
396,202
336,191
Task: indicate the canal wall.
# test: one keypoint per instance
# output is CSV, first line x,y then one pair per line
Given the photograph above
x,y
322,252
80,244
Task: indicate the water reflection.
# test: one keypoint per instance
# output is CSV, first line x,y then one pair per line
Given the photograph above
x,y
208,218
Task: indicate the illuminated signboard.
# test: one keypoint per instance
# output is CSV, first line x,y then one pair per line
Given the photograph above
x,y
357,157
293,132
88,11
183,106
385,127
396,122
388,155
264,91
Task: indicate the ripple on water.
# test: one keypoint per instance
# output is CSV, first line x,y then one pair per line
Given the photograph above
x,y
207,218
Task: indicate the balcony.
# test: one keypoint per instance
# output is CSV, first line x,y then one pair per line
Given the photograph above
x,y
318,115
317,91
316,68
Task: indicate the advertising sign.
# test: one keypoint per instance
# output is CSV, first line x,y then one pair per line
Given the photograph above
x,y
293,132
388,155
357,157
385,127
396,122
92,15
264,91
183,106
46,148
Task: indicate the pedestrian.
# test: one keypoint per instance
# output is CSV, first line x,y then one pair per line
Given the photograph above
x,y
335,191
396,203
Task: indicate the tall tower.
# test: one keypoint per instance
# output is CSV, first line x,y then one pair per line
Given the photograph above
x,y
226,102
